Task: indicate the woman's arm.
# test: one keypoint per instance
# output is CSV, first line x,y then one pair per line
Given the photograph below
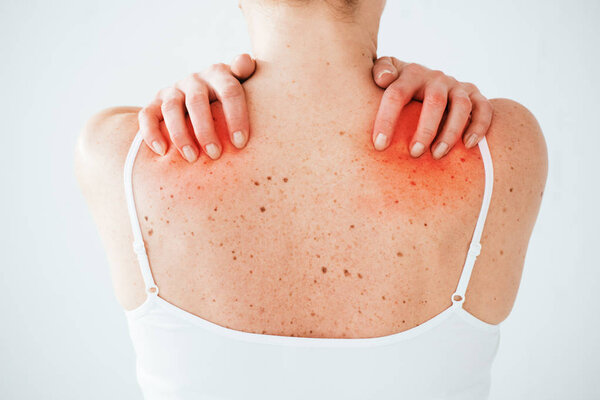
x,y
451,110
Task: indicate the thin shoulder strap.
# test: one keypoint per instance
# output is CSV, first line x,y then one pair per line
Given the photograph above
x,y
475,247
138,241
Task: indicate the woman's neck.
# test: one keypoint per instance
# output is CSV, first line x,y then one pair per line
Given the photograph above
x,y
310,41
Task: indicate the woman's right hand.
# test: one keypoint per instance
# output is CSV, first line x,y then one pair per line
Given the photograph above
x,y
193,96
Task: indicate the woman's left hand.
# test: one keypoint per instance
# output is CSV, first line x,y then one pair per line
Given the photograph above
x,y
469,112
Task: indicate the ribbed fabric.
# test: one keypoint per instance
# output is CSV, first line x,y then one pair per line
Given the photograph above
x,y
182,356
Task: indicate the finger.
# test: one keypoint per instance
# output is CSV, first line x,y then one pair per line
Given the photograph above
x,y
384,72
243,66
173,112
481,119
149,119
434,104
231,94
395,97
198,105
458,117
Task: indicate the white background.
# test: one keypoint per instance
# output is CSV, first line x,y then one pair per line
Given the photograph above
x,y
62,333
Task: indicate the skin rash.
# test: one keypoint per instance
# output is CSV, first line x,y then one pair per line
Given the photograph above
x,y
422,183
318,233
309,231
400,183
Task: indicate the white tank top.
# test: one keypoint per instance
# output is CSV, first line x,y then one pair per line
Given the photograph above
x,y
182,356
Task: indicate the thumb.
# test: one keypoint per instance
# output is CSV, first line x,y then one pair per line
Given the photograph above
x,y
384,72
243,66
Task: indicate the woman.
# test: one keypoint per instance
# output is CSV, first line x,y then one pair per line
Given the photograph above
x,y
308,265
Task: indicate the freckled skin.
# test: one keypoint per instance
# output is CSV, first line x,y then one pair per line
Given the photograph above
x,y
359,205
424,182
315,227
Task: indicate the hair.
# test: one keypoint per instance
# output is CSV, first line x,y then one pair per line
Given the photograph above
x,y
343,7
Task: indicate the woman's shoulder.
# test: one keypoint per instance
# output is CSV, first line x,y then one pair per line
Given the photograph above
x,y
515,122
100,154
106,137
517,144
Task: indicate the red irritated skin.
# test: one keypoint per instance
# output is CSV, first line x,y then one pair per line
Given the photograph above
x,y
423,183
309,231
332,223
398,182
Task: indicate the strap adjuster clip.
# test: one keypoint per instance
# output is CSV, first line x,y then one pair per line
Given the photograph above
x,y
474,249
139,247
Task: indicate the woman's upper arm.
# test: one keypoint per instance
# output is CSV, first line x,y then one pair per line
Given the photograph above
x,y
100,155
519,157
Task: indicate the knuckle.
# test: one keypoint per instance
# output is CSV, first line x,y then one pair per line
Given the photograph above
x,y
177,136
427,133
413,68
396,93
462,101
485,106
188,81
193,99
469,86
440,81
196,79
452,135
386,124
198,96
231,90
437,74
144,113
219,68
170,91
162,91
204,136
170,104
478,128
453,130
436,99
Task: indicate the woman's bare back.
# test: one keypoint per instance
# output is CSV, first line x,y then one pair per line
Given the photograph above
x,y
310,232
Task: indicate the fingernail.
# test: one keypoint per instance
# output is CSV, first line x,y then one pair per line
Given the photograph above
x,y
158,147
380,141
213,151
385,71
417,149
189,153
239,139
471,141
440,150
